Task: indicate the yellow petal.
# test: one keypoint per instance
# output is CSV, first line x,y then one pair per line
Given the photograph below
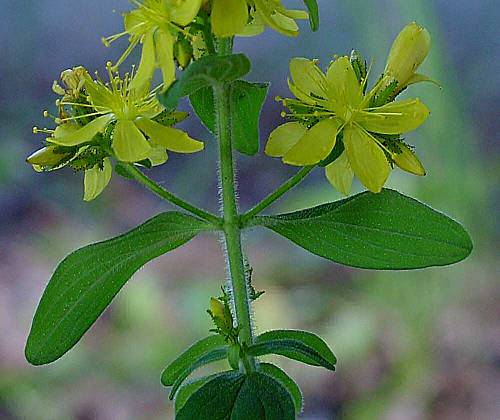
x,y
168,137
395,117
283,138
129,144
408,161
308,77
134,22
285,24
69,135
340,174
157,155
366,157
165,56
185,12
229,17
315,145
271,14
99,95
142,79
47,157
344,87
96,179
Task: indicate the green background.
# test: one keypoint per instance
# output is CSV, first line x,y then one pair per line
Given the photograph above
x,y
411,345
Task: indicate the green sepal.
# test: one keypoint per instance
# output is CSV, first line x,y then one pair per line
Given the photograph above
x,y
384,231
87,280
237,396
176,368
288,383
206,71
312,8
302,346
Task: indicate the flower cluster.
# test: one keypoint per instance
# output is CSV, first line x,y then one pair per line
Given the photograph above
x,y
100,120
337,123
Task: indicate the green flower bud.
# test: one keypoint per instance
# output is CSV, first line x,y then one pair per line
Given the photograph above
x,y
183,52
408,161
47,156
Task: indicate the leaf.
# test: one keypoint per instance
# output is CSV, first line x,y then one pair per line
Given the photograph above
x,y
303,346
190,356
236,396
87,280
247,100
384,231
211,356
189,388
207,71
312,8
288,383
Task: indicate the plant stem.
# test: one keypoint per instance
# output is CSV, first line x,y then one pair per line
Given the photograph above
x,y
232,233
271,198
167,195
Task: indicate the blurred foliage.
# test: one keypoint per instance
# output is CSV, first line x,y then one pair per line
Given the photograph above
x,y
413,345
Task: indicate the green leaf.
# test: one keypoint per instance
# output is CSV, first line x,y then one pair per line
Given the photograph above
x,y
207,71
312,8
190,356
303,346
379,231
189,388
211,356
247,100
288,383
86,281
236,396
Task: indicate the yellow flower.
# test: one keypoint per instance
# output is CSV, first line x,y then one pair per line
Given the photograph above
x,y
155,24
333,103
249,17
132,112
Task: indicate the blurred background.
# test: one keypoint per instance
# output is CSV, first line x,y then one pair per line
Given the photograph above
x,y
411,345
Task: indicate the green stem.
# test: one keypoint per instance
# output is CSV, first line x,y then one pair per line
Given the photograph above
x,y
271,198
167,195
232,232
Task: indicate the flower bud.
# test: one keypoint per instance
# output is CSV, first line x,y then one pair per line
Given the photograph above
x,y
47,157
408,161
183,52
409,50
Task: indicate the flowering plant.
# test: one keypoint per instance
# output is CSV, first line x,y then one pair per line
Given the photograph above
x,y
334,121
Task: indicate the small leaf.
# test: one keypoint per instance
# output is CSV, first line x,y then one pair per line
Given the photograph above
x,y
247,100
384,231
235,396
312,8
87,280
190,356
211,356
207,71
303,346
288,383
189,388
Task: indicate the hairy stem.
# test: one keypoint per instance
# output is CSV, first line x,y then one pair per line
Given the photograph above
x,y
232,232
168,196
271,198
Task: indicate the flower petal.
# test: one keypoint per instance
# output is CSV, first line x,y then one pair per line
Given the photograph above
x,y
408,161
344,87
315,145
157,155
69,135
142,79
96,179
283,138
340,174
168,137
165,56
395,117
129,144
229,17
366,157
185,12
308,77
